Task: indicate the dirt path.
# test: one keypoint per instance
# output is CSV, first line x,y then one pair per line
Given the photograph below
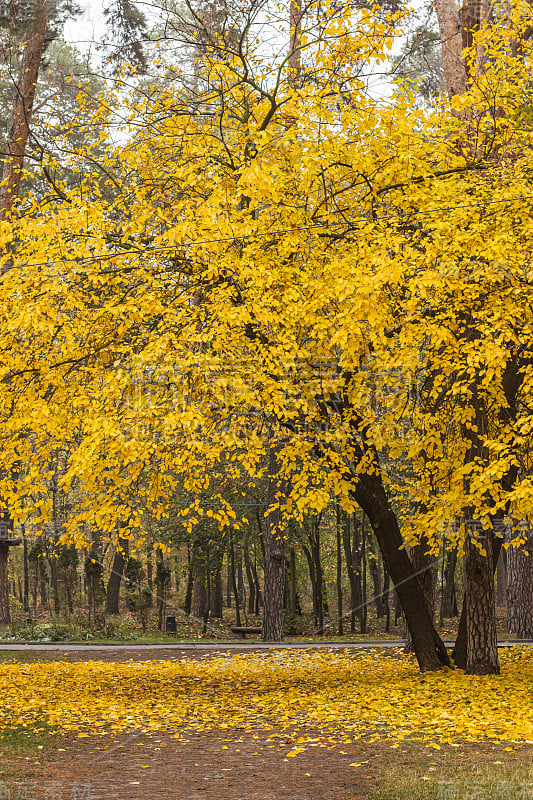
x,y
211,767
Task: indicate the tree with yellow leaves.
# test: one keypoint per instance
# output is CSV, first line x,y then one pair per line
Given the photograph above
x,y
268,268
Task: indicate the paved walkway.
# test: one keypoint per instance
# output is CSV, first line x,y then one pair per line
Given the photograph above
x,y
222,646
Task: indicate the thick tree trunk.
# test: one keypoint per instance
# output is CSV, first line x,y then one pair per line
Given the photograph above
x,y
274,538
452,46
511,383
429,649
520,589
22,111
113,584
424,563
482,642
5,617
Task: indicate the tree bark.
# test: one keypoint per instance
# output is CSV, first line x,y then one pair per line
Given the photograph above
x,y
429,649
115,579
482,642
217,599
449,601
199,594
22,111
452,46
501,579
354,576
375,574
26,573
274,538
340,626
5,616
187,604
520,589
234,583
424,563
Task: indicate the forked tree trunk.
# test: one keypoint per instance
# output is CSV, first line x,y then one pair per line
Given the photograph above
x,y
428,647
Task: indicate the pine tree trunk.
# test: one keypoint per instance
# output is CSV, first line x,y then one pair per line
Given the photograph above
x,y
274,570
22,111
520,589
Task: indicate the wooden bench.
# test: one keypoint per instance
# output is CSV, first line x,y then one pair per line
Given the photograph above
x,y
242,631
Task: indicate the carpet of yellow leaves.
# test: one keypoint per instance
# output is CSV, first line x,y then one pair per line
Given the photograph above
x,y
337,695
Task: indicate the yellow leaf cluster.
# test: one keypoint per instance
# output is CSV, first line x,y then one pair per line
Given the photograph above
x,y
324,697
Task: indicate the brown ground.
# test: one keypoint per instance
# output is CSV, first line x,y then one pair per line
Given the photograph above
x,y
217,765
160,768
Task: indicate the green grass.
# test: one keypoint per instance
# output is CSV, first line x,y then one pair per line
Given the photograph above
x,y
21,754
468,772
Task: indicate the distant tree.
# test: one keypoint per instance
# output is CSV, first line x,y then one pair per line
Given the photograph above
x,y
127,31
